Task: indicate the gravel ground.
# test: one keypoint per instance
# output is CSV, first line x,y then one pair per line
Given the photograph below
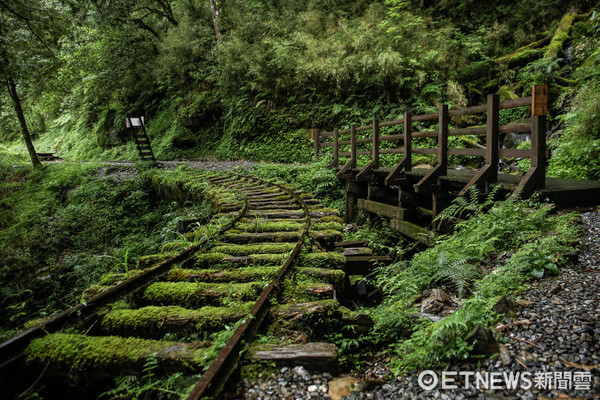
x,y
210,164
555,337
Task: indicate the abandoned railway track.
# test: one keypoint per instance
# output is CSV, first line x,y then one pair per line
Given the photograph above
x,y
194,311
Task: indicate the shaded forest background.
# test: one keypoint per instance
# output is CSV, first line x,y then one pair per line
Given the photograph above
x,y
233,78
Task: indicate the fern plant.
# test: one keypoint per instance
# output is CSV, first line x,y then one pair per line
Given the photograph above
x,y
459,273
147,386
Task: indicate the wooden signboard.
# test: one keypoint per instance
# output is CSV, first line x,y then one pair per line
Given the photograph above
x,y
539,106
134,122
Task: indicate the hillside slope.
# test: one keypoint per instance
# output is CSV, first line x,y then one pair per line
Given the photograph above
x,y
248,78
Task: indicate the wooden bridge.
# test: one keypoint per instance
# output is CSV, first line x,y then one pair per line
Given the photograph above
x,y
412,196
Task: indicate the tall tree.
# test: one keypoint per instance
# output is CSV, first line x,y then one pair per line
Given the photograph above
x,y
215,10
27,32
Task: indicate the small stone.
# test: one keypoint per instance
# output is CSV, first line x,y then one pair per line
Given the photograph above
x,y
312,388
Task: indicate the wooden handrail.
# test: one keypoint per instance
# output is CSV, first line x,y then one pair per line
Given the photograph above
x,y
533,180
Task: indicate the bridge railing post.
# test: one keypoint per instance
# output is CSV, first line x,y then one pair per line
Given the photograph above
x,y
316,134
336,148
535,178
539,108
375,144
407,141
538,149
492,129
353,145
443,139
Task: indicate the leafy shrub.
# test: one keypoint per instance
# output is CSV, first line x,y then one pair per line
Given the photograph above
x,y
64,226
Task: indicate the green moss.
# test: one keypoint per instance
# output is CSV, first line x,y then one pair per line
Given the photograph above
x,y
267,259
275,237
116,278
321,226
258,370
207,260
81,352
299,292
263,248
33,322
154,321
328,211
246,274
95,290
320,315
330,259
179,245
336,277
266,190
362,322
561,35
153,259
316,318
199,293
331,218
225,261
326,237
270,226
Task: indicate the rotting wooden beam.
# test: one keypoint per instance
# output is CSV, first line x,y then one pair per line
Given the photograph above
x,y
316,355
383,209
413,231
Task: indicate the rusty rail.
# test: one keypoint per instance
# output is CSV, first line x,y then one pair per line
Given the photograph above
x,y
534,179
214,378
13,348
217,374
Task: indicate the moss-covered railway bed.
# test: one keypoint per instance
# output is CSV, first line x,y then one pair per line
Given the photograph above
x,y
198,300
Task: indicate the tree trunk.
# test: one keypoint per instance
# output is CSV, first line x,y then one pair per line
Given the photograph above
x,y
12,90
215,11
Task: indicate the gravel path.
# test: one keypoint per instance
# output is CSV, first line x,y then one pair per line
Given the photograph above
x,y
210,164
554,339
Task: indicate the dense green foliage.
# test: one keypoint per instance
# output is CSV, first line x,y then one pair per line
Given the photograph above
x,y
494,253
63,227
252,85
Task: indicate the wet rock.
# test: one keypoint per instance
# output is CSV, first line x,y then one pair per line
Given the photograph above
x,y
504,306
484,340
